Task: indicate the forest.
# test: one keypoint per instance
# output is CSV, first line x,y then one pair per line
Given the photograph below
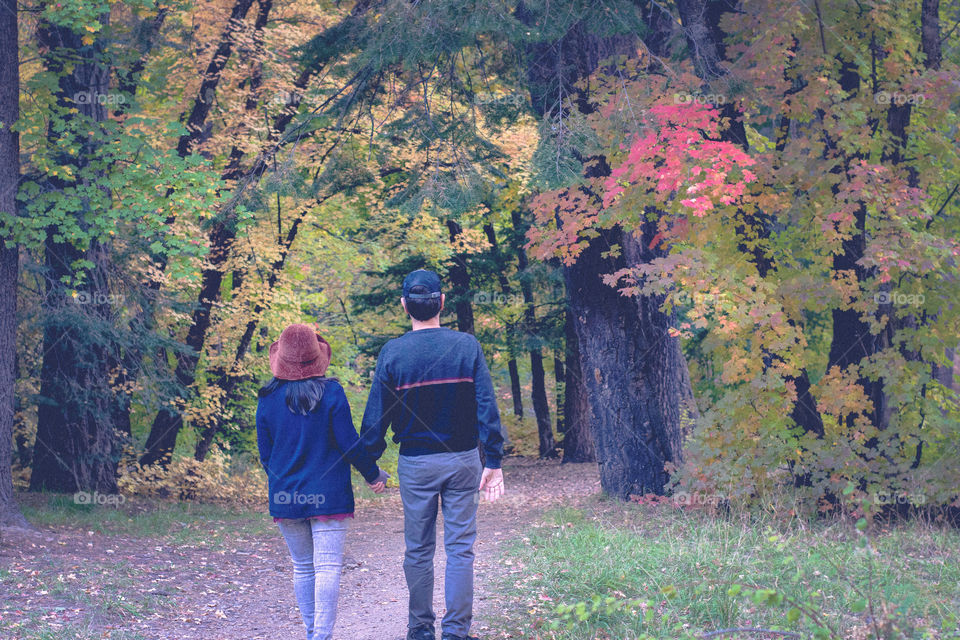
x,y
710,247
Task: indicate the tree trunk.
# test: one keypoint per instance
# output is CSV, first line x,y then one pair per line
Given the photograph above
x,y
197,119
639,389
541,408
548,446
558,379
852,340
515,390
168,421
76,448
577,436
947,375
460,279
9,254
9,276
930,33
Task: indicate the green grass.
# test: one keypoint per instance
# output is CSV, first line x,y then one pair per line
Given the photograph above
x,y
182,522
684,564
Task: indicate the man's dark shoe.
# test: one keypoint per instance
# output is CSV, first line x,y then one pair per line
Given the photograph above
x,y
450,636
421,633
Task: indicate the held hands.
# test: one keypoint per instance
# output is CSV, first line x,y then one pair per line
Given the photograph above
x,y
491,484
380,483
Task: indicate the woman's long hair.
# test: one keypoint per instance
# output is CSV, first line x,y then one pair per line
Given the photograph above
x,y
302,396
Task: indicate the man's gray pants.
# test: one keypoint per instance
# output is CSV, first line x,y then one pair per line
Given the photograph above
x,y
453,479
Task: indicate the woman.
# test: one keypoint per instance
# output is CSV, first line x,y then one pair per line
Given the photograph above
x,y
307,442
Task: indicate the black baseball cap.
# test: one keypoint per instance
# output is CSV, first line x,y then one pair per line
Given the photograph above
x,y
423,278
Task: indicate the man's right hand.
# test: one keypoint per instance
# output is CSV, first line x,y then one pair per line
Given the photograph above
x,y
491,483
380,484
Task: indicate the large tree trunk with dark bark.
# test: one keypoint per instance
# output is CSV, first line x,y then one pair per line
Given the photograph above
x,y
76,447
9,275
640,397
9,253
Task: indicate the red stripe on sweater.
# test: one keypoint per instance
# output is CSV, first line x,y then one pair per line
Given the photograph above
x,y
425,383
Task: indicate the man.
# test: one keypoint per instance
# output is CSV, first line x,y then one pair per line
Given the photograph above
x,y
432,385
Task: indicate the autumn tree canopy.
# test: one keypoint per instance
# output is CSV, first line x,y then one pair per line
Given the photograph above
x,y
708,243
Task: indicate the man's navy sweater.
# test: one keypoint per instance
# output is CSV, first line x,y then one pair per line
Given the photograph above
x,y
434,388
307,457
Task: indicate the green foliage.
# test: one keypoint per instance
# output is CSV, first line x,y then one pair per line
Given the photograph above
x,y
76,15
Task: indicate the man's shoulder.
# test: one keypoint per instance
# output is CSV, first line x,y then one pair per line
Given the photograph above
x,y
462,336
390,344
464,341
414,340
441,333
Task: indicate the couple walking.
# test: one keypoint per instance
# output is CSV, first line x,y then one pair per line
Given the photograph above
x,y
433,387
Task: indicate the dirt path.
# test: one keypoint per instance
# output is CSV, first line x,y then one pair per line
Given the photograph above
x,y
373,602
245,593
373,593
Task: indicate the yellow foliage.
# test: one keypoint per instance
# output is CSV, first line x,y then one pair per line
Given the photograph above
x,y
216,479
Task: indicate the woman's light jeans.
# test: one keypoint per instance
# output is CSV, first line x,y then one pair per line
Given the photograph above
x,y
316,547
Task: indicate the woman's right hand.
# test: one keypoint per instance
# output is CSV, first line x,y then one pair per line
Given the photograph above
x,y
380,484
